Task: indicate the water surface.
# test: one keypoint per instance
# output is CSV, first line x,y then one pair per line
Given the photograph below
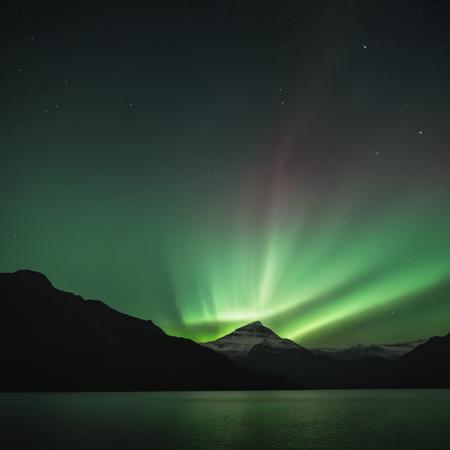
x,y
321,419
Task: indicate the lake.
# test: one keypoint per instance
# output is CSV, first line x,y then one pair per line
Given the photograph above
x,y
301,420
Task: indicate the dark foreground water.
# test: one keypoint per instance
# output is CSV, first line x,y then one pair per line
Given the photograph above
x,y
346,419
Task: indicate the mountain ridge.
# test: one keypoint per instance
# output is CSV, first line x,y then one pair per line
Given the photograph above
x,y
55,340
364,351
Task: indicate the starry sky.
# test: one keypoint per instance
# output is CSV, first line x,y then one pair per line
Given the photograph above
x,y
207,164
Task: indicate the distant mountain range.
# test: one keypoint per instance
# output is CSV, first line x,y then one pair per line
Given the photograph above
x,y
255,335
361,351
412,364
56,341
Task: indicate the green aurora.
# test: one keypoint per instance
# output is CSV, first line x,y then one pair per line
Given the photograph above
x,y
318,267
308,272
245,171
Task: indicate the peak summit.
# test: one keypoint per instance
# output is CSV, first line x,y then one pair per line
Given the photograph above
x,y
256,323
255,326
240,342
27,279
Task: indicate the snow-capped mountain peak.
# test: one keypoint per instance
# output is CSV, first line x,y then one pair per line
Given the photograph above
x,y
241,341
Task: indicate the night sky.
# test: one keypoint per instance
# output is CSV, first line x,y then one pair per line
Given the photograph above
x,y
207,164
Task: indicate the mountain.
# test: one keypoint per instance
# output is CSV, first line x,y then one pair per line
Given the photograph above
x,y
427,365
238,344
361,351
55,340
256,347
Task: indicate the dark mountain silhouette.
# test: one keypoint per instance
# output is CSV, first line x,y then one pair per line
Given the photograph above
x,y
426,365
54,340
256,347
